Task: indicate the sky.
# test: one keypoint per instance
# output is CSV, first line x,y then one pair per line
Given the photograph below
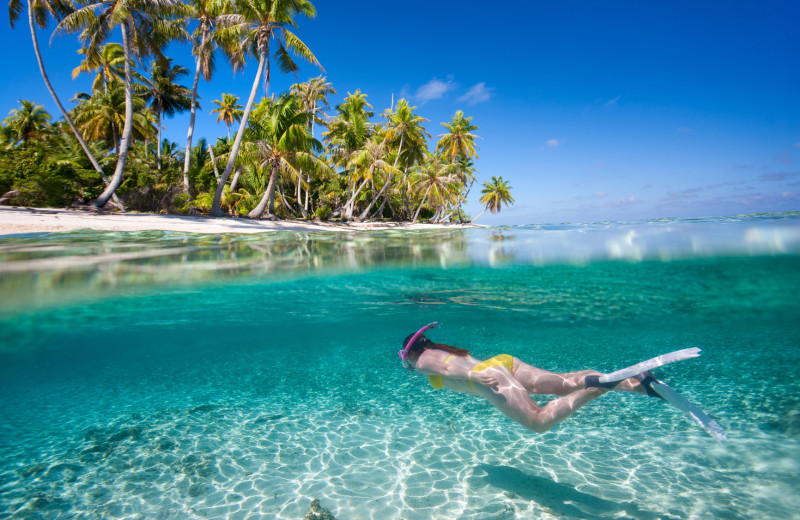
x,y
591,110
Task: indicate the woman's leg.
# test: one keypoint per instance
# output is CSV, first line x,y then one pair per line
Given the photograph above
x,y
538,381
515,403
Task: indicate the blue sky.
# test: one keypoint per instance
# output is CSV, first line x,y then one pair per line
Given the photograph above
x,y
592,110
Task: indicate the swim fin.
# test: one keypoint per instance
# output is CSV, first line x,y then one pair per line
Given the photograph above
x,y
658,388
644,366
696,414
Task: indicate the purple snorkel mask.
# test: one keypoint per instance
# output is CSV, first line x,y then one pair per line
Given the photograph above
x,y
404,353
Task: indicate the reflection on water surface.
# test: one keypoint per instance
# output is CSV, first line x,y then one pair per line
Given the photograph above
x,y
41,268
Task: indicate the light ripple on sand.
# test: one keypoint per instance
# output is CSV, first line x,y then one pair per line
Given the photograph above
x,y
232,461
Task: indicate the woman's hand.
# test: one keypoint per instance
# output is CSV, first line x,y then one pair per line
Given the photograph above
x,y
486,378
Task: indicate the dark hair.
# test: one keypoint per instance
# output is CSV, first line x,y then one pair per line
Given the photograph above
x,y
422,343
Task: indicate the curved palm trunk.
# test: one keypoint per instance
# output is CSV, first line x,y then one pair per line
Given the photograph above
x,y
387,185
258,211
299,194
64,113
424,199
216,209
461,200
479,215
406,211
379,212
158,146
213,161
271,207
308,180
127,129
352,202
187,156
235,181
284,200
375,199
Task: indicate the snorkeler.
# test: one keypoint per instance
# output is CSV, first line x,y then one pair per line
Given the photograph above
x,y
506,382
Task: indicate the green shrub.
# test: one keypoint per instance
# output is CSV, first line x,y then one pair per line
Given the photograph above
x,y
180,202
203,201
45,185
323,212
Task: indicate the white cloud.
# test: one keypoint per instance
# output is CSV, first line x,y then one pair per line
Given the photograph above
x,y
601,194
405,92
611,102
553,143
477,94
684,130
434,89
797,145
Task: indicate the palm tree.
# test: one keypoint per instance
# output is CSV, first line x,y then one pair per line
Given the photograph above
x,y
371,160
206,13
466,173
28,122
280,140
102,117
39,12
109,65
495,193
313,96
200,156
166,97
256,24
437,179
458,141
348,132
229,110
406,125
146,27
169,150
459,145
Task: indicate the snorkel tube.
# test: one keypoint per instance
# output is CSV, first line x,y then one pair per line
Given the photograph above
x,y
404,353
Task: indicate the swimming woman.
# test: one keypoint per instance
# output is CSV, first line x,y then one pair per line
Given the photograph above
x,y
506,382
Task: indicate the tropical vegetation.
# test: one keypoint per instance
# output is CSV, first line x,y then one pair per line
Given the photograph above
x,y
494,195
293,154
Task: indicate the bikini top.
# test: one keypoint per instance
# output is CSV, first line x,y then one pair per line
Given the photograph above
x,y
436,381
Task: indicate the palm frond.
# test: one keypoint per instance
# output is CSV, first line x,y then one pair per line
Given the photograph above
x,y
15,8
285,62
301,49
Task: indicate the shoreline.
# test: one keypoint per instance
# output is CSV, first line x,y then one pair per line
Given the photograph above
x,y
15,220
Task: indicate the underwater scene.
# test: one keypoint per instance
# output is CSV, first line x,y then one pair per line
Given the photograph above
x,y
175,376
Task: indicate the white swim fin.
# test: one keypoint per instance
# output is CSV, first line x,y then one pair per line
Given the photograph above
x,y
644,366
696,414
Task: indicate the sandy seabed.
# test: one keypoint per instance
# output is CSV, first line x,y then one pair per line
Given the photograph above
x,y
18,220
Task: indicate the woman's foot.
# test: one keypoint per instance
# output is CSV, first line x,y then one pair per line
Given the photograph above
x,y
646,381
632,384
594,382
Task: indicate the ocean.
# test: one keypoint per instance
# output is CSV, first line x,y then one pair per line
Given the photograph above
x,y
177,376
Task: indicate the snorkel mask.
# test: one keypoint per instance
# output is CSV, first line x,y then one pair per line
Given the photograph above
x,y
404,353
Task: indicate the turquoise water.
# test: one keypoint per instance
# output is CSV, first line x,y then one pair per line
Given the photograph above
x,y
157,375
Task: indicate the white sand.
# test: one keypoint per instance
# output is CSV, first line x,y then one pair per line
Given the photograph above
x,y
16,220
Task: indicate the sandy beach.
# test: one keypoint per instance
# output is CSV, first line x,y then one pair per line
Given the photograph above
x,y
17,220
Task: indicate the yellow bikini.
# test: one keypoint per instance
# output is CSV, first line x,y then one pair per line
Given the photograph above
x,y
502,360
